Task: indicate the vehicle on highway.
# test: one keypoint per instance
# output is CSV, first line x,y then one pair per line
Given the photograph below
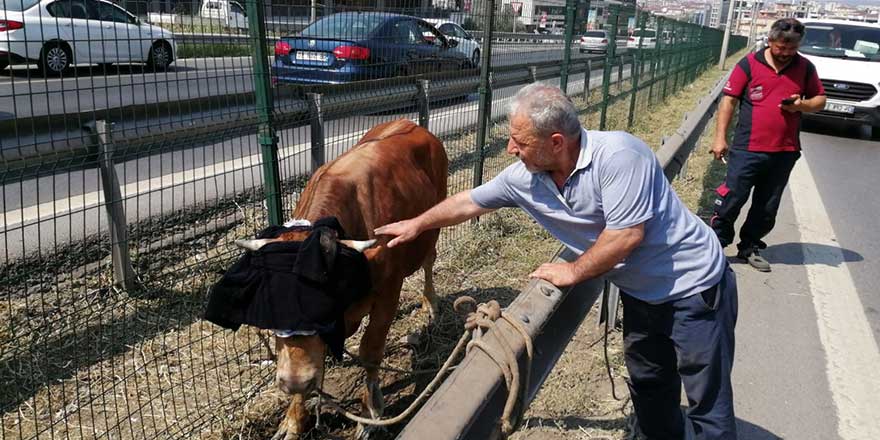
x,y
229,12
57,34
353,46
647,38
847,58
467,44
596,41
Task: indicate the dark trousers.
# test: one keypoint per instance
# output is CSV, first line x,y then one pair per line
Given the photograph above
x,y
768,174
690,341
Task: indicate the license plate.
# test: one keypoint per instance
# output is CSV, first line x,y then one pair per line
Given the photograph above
x,y
302,55
839,108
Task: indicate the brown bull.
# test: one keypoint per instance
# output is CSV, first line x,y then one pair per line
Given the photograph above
x,y
396,171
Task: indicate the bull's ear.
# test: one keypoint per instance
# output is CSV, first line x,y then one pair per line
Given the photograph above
x,y
359,245
253,245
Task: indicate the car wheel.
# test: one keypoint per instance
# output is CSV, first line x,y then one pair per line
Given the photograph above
x,y
55,59
160,56
475,58
875,132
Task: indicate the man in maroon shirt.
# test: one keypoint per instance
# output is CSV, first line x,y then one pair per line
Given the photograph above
x,y
773,87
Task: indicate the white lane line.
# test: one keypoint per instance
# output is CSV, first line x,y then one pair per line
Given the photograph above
x,y
852,356
85,201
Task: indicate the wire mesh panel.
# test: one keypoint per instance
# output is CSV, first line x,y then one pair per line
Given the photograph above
x,y
140,139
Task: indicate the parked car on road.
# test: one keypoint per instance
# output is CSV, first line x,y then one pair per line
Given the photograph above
x,y
467,44
847,58
352,46
57,34
647,37
229,12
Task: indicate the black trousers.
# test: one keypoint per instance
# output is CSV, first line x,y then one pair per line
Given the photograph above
x,y
768,174
690,341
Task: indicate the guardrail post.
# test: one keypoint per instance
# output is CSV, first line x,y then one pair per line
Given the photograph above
x,y
123,273
613,16
621,60
485,90
658,50
265,109
566,53
641,19
533,73
423,99
316,118
587,75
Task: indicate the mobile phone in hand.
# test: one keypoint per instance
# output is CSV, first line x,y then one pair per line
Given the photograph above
x,y
788,101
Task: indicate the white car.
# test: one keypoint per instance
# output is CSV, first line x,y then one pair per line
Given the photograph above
x,y
56,34
230,12
647,38
466,42
847,58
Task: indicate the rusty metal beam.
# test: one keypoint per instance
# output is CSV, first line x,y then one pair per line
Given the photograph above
x,y
469,403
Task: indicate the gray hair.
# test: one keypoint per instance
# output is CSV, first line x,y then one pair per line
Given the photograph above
x,y
786,30
548,108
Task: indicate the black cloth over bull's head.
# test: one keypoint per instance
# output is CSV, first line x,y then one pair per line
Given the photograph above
x,y
289,285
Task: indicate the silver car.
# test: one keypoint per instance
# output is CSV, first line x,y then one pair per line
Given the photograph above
x,y
466,42
594,41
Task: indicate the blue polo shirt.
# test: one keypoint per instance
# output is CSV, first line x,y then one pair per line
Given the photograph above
x,y
618,183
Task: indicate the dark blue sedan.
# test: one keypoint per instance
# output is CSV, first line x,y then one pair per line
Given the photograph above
x,y
353,46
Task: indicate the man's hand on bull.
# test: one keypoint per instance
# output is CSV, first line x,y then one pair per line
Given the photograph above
x,y
402,231
558,274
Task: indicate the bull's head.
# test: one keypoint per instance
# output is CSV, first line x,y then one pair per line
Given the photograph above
x,y
300,355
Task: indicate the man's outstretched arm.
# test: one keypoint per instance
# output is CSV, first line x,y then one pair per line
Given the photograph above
x,y
451,211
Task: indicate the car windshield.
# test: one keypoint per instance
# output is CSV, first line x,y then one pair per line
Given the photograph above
x,y
344,26
595,34
17,5
842,41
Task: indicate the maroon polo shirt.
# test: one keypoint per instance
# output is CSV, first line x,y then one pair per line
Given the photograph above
x,y
762,125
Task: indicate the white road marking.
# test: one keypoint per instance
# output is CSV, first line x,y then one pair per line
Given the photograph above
x,y
852,356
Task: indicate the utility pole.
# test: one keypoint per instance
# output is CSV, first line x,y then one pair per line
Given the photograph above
x,y
726,40
754,24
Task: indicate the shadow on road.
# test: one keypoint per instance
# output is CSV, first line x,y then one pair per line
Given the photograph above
x,y
746,430
839,130
31,73
795,254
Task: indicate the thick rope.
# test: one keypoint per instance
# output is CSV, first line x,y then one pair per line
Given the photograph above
x,y
479,320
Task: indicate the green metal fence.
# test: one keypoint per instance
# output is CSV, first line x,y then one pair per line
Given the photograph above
x,y
124,186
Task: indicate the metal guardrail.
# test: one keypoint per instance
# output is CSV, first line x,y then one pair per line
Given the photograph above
x,y
338,101
505,37
469,404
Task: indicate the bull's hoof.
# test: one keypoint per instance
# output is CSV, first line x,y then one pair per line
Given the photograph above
x,y
290,429
284,433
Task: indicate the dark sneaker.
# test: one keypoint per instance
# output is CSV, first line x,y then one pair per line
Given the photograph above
x,y
754,259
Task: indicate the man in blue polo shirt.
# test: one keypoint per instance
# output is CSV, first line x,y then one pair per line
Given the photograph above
x,y
604,196
773,87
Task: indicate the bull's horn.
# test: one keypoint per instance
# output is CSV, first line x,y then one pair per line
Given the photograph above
x,y
252,245
358,245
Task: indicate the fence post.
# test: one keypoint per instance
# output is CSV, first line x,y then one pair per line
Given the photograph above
x,y
566,53
634,71
533,73
316,118
423,99
613,15
263,94
123,274
621,62
485,89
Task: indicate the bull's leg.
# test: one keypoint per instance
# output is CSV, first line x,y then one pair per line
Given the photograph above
x,y
372,350
430,302
295,420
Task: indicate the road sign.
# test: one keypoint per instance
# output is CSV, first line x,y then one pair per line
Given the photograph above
x,y
517,8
